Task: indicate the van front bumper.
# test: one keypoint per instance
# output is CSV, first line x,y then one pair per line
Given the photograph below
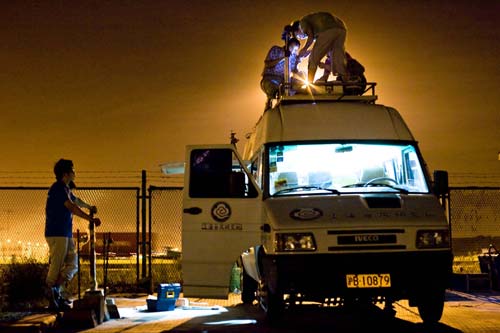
x,y
325,275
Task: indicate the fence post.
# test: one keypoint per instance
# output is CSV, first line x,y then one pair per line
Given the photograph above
x,y
150,241
145,278
143,221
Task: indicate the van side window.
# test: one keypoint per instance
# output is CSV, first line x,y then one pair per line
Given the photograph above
x,y
413,172
216,173
256,169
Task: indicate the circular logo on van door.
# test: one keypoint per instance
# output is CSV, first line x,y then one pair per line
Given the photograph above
x,y
221,211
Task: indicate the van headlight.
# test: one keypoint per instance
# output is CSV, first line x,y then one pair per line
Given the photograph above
x,y
295,242
429,239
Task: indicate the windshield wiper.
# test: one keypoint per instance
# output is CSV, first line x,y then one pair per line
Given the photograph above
x,y
305,187
399,189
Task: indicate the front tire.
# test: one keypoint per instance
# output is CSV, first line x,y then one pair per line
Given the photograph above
x,y
273,305
270,295
430,306
249,288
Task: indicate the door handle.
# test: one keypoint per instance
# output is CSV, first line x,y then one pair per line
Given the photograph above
x,y
193,210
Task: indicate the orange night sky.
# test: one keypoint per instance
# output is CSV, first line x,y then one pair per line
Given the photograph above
x,y
125,85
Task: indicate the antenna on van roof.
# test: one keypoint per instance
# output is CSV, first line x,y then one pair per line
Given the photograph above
x,y
233,138
287,32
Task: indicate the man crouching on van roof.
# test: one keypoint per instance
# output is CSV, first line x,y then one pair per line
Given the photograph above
x,y
273,74
355,70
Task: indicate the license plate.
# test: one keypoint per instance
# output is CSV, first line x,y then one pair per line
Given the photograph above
x,y
368,280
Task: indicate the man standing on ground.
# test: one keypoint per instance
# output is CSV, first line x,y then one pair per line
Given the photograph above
x,y
328,33
61,205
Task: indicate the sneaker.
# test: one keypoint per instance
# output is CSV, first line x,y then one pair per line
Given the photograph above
x,y
53,295
323,79
64,304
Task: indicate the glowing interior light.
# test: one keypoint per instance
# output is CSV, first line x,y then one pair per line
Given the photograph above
x,y
340,165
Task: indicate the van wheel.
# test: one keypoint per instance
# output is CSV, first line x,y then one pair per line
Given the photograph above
x,y
249,288
430,306
270,299
389,310
275,307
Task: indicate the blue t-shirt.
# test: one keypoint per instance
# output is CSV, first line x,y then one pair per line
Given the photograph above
x,y
58,218
278,52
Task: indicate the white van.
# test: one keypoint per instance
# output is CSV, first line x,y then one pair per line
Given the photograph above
x,y
330,203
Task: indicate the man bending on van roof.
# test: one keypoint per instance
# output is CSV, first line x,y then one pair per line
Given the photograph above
x,y
328,33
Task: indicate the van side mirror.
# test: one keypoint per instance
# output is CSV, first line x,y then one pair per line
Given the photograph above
x,y
440,185
238,188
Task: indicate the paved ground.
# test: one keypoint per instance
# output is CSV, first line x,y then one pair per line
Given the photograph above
x,y
464,313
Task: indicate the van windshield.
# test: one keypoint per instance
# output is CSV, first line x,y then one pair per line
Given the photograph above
x,y
344,168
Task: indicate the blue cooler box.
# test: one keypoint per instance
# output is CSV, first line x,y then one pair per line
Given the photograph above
x,y
167,294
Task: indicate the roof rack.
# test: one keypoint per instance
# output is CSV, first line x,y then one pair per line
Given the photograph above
x,y
328,91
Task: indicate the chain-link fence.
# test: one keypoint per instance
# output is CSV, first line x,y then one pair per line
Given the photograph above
x,y
22,227
475,223
118,209
474,213
166,223
22,223
475,216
